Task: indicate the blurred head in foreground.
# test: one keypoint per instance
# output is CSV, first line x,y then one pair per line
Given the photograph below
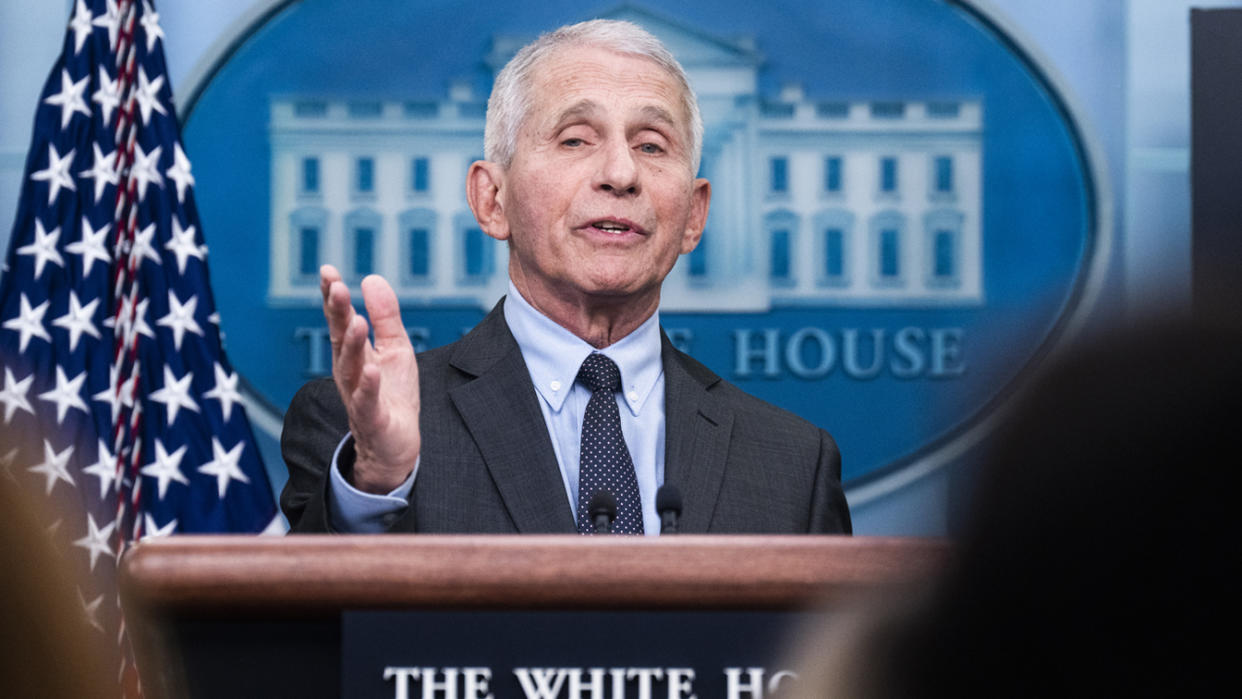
x,y
1099,554
47,646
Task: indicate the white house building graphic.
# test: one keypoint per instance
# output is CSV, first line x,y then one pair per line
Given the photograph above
x,y
850,202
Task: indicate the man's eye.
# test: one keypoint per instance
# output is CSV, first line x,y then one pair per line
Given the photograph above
x,y
572,142
650,148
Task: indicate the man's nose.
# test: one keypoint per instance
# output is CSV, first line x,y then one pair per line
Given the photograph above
x,y
618,172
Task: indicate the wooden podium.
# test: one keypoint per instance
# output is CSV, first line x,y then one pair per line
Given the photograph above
x,y
262,616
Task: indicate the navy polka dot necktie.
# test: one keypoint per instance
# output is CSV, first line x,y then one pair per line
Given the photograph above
x,y
604,460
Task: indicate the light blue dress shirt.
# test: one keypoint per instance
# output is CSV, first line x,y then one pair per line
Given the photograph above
x,y
553,355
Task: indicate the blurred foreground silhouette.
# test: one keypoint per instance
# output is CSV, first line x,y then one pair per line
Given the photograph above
x,y
1099,554
48,648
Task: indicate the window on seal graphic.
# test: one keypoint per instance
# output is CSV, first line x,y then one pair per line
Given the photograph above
x,y
417,226
307,226
835,227
942,174
782,229
778,170
888,241
364,175
420,175
308,243
888,175
310,175
364,251
476,251
943,243
362,237
833,172
834,253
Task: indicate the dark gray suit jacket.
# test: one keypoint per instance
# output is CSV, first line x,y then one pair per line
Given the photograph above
x,y
487,463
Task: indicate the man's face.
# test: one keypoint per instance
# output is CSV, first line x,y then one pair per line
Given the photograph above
x,y
599,199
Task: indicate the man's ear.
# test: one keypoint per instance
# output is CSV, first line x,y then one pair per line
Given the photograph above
x,y
700,202
485,190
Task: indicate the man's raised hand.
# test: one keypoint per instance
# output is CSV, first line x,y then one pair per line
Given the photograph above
x,y
378,382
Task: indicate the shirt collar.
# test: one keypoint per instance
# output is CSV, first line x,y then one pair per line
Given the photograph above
x,y
553,354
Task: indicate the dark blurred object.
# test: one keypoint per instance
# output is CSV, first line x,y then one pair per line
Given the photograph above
x,y
47,646
1099,555
1216,161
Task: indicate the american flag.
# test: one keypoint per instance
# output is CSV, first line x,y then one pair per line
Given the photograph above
x,y
119,406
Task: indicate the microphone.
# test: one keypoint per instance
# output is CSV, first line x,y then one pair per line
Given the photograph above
x,y
603,509
668,504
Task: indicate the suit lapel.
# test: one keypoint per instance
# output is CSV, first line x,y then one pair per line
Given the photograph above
x,y
697,431
501,411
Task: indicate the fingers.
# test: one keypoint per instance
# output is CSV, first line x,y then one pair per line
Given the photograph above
x,y
357,379
350,355
327,275
337,309
385,313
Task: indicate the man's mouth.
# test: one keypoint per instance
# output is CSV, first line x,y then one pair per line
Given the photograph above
x,y
616,226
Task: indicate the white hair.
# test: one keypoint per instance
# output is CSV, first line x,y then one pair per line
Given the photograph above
x,y
511,98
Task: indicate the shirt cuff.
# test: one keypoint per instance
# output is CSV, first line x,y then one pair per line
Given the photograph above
x,y
353,511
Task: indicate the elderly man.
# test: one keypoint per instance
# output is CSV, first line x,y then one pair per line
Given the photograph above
x,y
568,387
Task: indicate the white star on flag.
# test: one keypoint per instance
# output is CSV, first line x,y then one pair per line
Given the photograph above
x,y
224,465
43,248
108,96
175,394
69,99
140,326
91,610
110,395
180,173
66,395
78,319
132,324
55,466
145,170
225,391
151,530
151,23
91,246
104,469
103,170
14,394
148,95
110,19
166,467
180,318
97,540
29,322
80,25
129,390
57,172
183,245
143,249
